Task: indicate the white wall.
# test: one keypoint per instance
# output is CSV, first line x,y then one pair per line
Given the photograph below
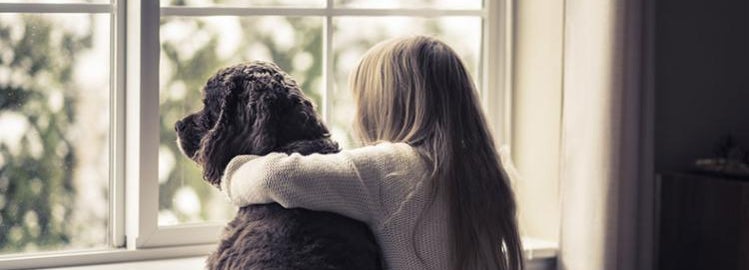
x,y
536,114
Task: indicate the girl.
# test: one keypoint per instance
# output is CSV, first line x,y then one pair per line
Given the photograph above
x,y
429,184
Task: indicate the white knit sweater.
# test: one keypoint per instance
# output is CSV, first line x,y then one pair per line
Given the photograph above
x,y
385,185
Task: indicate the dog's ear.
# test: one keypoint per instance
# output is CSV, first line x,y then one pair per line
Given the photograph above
x,y
303,131
265,112
242,125
302,121
213,146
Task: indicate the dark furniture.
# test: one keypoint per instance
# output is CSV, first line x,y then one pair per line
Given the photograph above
x,y
703,222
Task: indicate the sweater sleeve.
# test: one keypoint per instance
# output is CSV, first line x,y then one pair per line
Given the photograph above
x,y
348,183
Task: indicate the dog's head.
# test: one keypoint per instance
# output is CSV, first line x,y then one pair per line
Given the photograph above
x,y
251,108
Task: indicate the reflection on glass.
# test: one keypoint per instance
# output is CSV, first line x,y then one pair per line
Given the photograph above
x,y
416,4
351,41
54,131
245,3
192,50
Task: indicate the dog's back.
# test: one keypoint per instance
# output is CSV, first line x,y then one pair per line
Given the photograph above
x,y
272,237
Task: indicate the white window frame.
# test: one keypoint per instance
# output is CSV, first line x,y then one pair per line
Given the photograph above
x,y
135,233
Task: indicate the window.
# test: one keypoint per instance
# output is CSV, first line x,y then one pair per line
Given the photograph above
x,y
80,170
54,126
315,44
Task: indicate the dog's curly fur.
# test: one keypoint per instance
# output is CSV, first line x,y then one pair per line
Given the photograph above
x,y
256,108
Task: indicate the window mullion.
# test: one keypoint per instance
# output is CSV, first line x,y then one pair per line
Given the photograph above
x,y
142,134
495,67
54,8
328,63
117,118
328,11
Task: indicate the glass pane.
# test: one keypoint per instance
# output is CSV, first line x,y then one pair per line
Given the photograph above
x,y
438,4
192,50
351,41
54,131
245,3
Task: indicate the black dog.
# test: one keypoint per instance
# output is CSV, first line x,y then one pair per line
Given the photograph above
x,y
256,108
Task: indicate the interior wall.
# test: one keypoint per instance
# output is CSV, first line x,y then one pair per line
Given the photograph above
x,y
701,78
536,114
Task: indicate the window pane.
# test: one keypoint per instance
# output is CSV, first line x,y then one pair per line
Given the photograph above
x,y
245,3
438,4
351,41
54,139
192,50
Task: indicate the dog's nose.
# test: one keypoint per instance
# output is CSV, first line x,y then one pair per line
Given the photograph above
x,y
179,126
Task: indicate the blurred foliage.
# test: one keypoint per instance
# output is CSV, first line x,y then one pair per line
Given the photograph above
x,y
36,176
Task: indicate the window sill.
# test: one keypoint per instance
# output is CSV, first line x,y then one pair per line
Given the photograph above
x,y
199,262
536,249
541,256
101,259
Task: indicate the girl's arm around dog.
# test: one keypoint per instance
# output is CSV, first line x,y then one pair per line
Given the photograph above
x,y
365,183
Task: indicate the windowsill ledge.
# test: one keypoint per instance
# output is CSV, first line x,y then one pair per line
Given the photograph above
x,y
541,256
536,249
199,262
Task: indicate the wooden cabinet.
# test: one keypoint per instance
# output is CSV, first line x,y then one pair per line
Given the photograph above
x,y
703,222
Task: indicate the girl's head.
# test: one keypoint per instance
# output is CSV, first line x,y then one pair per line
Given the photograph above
x,y
406,89
417,90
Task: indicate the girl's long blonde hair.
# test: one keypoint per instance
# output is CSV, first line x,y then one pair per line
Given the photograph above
x,y
417,90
